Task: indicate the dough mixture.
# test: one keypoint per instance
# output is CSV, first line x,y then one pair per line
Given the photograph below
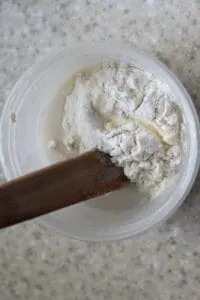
x,y
130,114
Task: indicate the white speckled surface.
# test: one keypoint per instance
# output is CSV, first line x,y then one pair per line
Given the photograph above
x,y
36,263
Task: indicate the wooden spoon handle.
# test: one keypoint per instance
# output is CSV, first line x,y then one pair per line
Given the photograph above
x,y
58,186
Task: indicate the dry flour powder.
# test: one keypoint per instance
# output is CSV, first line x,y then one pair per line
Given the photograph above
x,y
130,114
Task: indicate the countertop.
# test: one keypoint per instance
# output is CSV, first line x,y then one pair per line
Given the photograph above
x,y
36,263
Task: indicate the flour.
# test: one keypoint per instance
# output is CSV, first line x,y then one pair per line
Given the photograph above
x,y
130,114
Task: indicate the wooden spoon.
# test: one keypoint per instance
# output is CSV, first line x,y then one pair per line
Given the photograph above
x,y
60,185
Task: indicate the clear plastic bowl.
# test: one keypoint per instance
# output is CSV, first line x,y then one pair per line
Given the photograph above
x,y
22,151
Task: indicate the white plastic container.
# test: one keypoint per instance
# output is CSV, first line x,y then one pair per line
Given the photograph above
x,y
22,152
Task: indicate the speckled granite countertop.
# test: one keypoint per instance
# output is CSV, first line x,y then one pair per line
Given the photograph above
x,y
36,263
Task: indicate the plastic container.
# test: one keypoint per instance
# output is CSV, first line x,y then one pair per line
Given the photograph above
x,y
22,152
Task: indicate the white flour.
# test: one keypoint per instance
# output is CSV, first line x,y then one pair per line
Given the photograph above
x,y
131,115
